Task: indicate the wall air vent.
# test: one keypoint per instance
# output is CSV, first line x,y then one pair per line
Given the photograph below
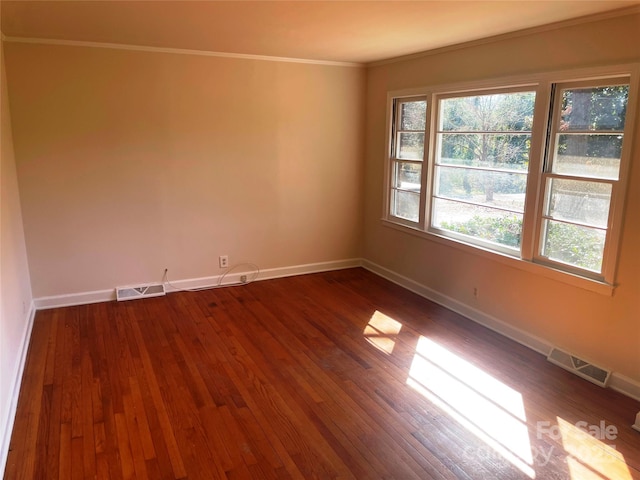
x,y
140,291
580,367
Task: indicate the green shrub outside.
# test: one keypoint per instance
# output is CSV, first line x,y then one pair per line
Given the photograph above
x,y
568,243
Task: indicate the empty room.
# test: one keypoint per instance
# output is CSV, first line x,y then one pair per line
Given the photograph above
x,y
320,239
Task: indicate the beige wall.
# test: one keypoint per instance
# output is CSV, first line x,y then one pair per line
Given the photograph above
x,y
130,162
15,290
601,328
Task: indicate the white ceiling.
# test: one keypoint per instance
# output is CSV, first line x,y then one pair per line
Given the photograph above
x,y
344,31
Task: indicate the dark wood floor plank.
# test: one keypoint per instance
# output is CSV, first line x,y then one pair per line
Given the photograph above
x,y
333,375
88,436
137,411
57,373
168,436
132,424
124,447
160,445
65,452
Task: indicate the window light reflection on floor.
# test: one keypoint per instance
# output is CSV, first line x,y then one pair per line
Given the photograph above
x,y
589,457
485,406
381,332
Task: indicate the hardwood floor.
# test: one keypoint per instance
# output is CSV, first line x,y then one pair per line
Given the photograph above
x,y
333,375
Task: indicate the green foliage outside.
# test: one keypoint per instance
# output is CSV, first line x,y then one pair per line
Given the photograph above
x,y
488,131
567,243
502,230
575,245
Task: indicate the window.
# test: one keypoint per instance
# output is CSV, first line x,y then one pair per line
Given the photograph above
x,y
582,172
535,172
408,156
481,166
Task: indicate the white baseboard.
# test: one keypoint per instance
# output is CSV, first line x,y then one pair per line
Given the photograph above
x,y
69,300
499,326
309,268
14,392
233,278
625,385
617,382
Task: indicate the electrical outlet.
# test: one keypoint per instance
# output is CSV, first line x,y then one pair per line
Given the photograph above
x,y
224,261
243,278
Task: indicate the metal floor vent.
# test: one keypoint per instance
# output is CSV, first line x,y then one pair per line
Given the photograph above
x,y
140,291
580,367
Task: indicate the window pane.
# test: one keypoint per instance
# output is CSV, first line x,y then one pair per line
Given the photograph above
x,y
405,205
495,112
586,155
574,245
505,190
483,223
411,146
413,115
600,108
408,176
485,149
579,201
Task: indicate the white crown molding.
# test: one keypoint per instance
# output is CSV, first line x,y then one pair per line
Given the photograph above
x,y
176,51
509,35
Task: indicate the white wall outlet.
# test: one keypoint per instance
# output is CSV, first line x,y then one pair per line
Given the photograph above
x,y
224,261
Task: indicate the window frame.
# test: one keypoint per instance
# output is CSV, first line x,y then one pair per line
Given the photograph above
x,y
609,253
394,131
529,258
431,161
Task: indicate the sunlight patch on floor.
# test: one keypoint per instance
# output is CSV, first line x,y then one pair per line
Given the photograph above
x,y
589,457
381,332
488,408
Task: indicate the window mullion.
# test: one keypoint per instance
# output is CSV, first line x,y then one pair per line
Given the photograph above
x,y
551,112
425,204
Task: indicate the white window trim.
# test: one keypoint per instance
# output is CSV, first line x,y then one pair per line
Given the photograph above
x,y
527,260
